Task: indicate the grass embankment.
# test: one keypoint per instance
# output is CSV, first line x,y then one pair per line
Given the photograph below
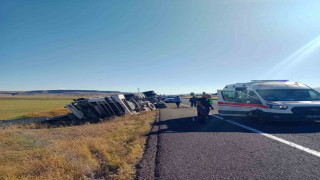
x,y
106,150
14,107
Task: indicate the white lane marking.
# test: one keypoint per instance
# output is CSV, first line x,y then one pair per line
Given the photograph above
x,y
218,117
237,115
307,150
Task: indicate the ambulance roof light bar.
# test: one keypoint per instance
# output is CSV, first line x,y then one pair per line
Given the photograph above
x,y
269,80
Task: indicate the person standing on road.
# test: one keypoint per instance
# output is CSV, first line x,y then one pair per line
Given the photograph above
x,y
177,100
210,99
203,107
193,101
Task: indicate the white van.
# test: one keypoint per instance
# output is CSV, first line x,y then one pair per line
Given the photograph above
x,y
270,100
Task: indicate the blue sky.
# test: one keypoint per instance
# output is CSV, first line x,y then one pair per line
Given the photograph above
x,y
170,46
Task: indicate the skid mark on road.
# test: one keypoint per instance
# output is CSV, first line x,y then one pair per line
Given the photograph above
x,y
297,146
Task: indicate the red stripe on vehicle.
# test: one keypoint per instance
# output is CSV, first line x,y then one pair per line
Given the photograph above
x,y
241,105
238,106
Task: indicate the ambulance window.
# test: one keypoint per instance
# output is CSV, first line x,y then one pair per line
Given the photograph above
x,y
229,95
314,95
254,99
242,98
251,93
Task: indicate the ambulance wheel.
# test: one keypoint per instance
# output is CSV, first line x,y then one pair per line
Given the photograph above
x,y
262,118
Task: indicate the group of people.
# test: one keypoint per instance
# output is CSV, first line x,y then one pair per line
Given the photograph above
x,y
203,105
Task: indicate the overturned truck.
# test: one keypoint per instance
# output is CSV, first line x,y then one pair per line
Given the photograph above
x,y
116,105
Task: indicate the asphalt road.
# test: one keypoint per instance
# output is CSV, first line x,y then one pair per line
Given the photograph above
x,y
221,149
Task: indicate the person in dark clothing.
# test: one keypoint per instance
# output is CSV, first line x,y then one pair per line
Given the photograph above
x,y
203,107
177,100
193,101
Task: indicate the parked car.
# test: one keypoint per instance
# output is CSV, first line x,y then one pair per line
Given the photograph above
x,y
169,100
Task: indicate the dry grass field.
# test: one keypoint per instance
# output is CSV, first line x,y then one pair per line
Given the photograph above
x,y
13,107
107,150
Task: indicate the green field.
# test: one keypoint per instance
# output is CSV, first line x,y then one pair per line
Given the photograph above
x,y
13,107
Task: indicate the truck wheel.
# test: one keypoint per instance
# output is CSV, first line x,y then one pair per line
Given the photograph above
x,y
146,108
151,106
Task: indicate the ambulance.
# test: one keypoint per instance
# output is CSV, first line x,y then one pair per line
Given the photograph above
x,y
270,100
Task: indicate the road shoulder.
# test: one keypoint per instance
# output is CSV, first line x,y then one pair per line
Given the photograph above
x,y
145,169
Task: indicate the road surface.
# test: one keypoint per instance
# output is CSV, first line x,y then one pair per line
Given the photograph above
x,y
229,149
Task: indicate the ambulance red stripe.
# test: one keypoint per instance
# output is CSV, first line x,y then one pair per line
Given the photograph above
x,y
241,105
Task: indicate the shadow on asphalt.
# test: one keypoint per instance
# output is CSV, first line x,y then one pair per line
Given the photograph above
x,y
185,125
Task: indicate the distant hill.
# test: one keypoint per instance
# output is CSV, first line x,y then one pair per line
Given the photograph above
x,y
318,89
59,93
